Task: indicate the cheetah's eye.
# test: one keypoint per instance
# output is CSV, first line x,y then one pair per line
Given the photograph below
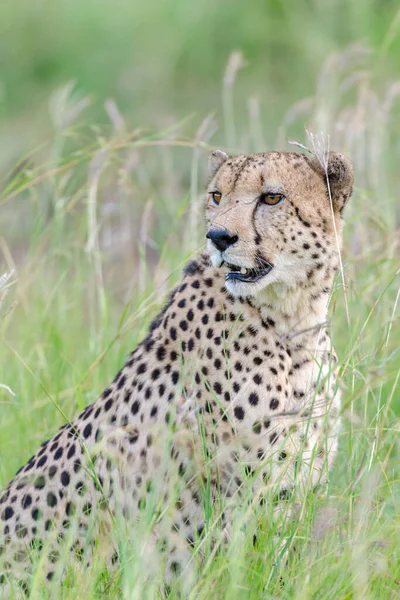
x,y
272,199
216,196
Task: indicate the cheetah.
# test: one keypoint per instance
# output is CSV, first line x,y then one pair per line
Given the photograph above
x,y
236,380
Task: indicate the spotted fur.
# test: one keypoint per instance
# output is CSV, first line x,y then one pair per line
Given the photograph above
x,y
233,374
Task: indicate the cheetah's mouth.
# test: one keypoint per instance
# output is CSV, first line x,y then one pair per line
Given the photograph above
x,y
245,274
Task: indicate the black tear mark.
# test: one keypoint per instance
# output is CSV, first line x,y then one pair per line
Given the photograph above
x,y
257,236
305,223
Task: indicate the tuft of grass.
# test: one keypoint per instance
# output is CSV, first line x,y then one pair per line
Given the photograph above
x,y
102,213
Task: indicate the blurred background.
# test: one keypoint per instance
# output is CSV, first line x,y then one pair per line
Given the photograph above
x,y
107,112
163,61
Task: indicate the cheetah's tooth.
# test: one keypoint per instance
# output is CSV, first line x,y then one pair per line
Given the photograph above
x,y
243,270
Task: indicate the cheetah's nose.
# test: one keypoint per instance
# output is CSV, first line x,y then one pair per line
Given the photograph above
x,y
221,238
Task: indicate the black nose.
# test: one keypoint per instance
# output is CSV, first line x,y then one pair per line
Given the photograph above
x,y
221,238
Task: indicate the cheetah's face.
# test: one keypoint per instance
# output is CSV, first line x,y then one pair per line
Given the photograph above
x,y
270,219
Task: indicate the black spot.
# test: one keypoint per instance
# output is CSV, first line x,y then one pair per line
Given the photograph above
x,y
36,514
217,388
70,509
204,319
42,461
58,454
7,513
273,437
192,268
155,374
261,454
65,479
257,379
54,555
182,303
253,399
87,509
154,411
175,567
26,501
87,431
274,403
49,525
256,427
71,451
173,356
127,396
121,382
239,413
80,488
40,482
133,437
36,544
51,499
175,377
161,353
142,368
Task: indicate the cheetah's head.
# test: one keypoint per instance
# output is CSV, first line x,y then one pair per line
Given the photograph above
x,y
271,217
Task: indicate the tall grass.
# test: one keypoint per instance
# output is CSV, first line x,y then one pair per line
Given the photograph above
x,y
93,225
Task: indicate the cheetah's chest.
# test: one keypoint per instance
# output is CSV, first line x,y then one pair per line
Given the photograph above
x,y
245,376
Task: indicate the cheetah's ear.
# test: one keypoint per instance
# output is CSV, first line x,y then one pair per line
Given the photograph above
x,y
340,175
216,159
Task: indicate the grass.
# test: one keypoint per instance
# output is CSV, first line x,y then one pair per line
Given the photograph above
x,y
97,224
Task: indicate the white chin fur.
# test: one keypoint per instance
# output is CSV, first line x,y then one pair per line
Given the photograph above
x,y
216,259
